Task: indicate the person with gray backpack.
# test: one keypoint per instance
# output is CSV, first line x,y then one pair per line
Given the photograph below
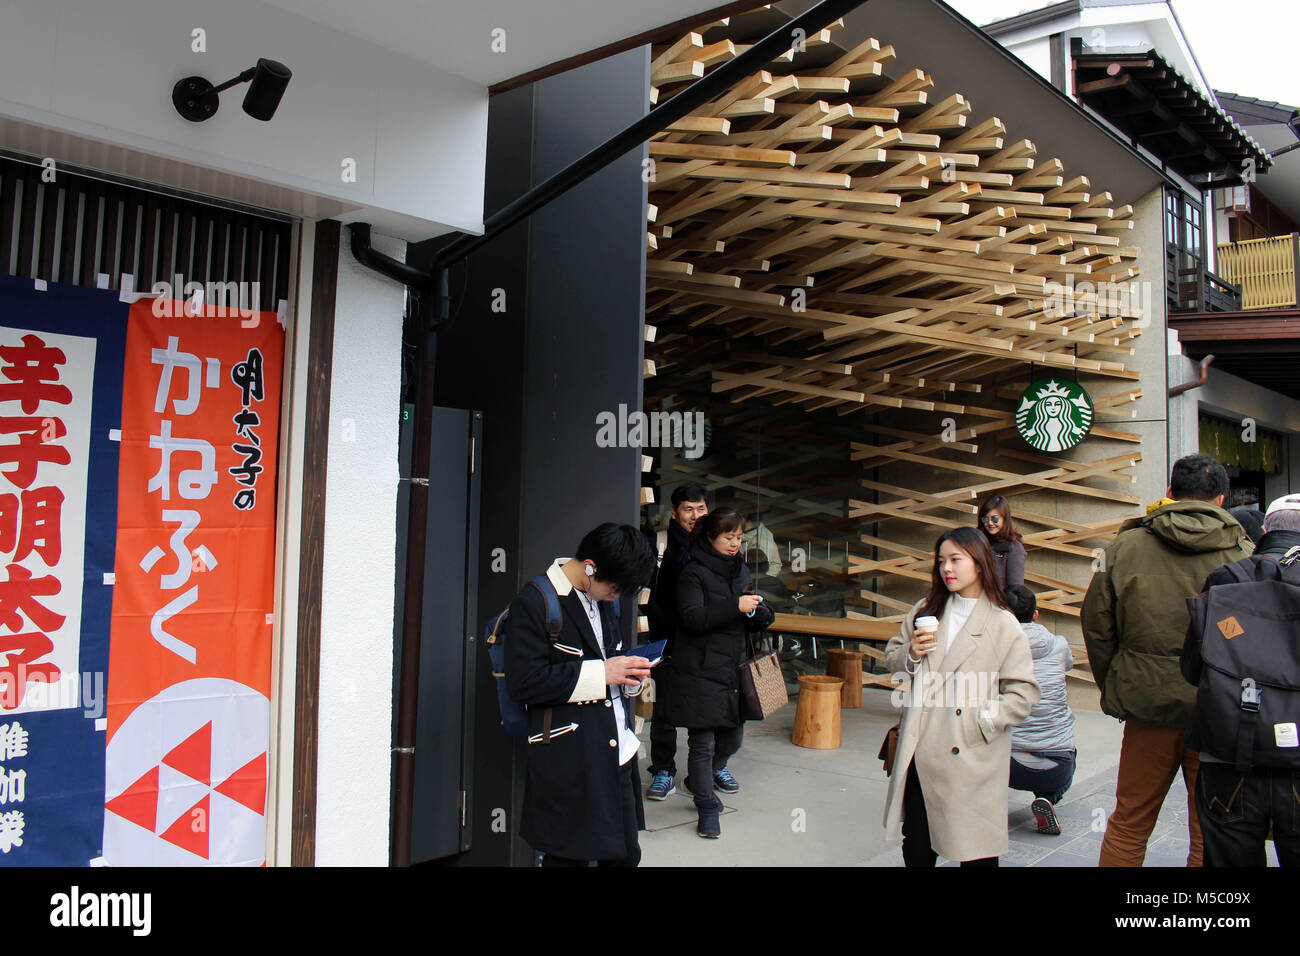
x,y
1243,654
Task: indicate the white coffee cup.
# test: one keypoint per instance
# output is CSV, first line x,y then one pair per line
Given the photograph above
x,y
927,624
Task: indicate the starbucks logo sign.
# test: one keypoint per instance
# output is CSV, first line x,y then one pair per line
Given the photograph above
x,y
1054,414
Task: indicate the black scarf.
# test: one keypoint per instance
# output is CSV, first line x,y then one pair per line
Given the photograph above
x,y
724,566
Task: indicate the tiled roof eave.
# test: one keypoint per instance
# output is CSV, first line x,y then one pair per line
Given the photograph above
x,y
1152,61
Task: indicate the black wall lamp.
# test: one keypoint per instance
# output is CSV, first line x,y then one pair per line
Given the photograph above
x,y
196,99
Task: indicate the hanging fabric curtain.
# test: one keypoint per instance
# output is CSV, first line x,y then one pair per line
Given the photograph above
x,y
1223,440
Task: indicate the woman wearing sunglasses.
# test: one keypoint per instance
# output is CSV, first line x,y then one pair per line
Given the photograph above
x,y
1004,539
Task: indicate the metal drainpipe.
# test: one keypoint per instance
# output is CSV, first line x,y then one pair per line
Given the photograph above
x,y
780,40
1195,383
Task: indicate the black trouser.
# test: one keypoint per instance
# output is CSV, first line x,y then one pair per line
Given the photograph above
x,y
916,827
1236,808
1050,783
710,748
629,793
663,744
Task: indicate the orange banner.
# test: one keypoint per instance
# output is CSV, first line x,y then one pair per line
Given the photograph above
x,y
190,649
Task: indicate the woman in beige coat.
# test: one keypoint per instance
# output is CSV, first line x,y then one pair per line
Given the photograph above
x,y
967,684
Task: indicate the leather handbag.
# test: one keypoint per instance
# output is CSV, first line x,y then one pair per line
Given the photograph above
x,y
889,748
762,686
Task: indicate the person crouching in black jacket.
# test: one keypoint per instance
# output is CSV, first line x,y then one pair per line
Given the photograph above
x,y
710,643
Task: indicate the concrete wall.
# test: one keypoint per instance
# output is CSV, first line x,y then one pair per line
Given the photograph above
x,y
356,653
104,70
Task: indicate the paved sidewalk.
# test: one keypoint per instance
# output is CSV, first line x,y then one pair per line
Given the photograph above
x,y
801,807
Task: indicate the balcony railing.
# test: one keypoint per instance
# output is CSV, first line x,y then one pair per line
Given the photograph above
x,y
1264,268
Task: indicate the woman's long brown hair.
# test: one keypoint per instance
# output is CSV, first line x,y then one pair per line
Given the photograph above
x,y
999,504
976,544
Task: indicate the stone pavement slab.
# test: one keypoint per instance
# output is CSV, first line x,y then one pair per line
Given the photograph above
x,y
800,807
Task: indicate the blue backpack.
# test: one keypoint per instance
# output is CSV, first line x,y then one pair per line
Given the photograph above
x,y
514,715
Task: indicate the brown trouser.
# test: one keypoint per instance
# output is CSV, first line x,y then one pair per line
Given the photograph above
x,y
1148,760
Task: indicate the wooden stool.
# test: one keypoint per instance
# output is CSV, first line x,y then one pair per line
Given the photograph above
x,y
817,718
846,665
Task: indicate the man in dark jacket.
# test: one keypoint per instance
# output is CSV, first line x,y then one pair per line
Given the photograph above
x,y
1237,808
689,504
582,794
1134,621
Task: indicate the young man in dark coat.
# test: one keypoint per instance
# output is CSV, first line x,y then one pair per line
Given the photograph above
x,y
1134,619
1238,809
582,794
689,504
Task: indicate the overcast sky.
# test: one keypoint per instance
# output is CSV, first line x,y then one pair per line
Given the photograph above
x,y
1243,46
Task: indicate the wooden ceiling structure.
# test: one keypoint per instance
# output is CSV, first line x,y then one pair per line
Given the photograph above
x,y
830,239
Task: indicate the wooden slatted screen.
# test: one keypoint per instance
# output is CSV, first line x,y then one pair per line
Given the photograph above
x,y
76,228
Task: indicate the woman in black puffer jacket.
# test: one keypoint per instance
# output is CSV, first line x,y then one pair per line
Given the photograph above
x,y
712,612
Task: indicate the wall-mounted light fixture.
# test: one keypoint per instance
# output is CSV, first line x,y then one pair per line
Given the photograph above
x,y
196,99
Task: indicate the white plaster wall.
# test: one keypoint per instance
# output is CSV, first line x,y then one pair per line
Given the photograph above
x,y
104,70
356,653
1036,54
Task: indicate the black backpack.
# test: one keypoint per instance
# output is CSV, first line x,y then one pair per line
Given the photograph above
x,y
1248,634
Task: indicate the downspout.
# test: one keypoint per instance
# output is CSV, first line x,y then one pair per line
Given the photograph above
x,y
1195,383
436,281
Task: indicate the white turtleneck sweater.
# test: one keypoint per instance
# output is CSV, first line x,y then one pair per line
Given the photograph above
x,y
959,609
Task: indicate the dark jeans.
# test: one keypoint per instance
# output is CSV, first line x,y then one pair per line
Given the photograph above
x,y
629,793
663,744
1050,783
916,828
1236,809
710,748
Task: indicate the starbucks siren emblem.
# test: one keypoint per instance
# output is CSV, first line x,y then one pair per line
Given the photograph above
x,y
1054,414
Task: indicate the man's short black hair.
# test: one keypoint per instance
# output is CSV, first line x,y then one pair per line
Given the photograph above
x,y
622,556
1198,477
1023,603
689,492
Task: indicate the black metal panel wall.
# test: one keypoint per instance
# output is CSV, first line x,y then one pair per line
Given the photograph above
x,y
74,228
586,301
445,732
564,343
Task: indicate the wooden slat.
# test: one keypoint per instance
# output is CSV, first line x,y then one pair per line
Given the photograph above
x,y
283,265
147,270
27,221
90,219
72,205
166,269
184,245
127,243
266,271
49,236
108,236
199,270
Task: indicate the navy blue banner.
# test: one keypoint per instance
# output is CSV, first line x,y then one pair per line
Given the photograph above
x,y
52,759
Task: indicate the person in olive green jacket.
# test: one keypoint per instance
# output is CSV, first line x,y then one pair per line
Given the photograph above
x,y
1134,622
